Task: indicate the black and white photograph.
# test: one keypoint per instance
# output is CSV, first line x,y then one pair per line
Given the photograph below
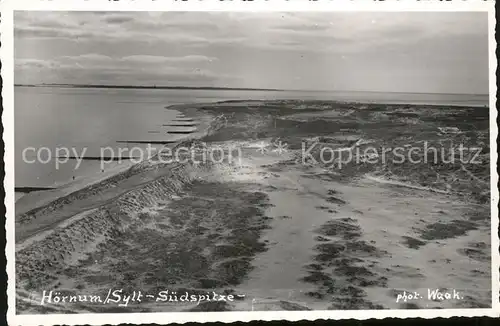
x,y
265,161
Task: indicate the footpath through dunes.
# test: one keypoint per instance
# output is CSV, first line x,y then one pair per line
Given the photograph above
x,y
275,231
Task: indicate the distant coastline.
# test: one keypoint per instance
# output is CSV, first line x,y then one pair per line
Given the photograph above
x,y
150,87
238,89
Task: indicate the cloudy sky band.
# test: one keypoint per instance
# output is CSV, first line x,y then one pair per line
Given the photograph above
x,y
440,52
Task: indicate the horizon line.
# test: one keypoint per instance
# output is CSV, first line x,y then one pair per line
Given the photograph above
x,y
233,88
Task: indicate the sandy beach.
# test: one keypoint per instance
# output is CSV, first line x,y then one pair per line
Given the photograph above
x,y
277,229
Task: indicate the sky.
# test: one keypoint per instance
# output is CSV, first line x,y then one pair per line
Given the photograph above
x,y
422,52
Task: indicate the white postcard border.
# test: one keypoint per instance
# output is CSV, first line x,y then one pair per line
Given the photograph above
x,y
7,58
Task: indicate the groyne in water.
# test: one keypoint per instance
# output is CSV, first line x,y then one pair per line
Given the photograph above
x,y
27,190
180,125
